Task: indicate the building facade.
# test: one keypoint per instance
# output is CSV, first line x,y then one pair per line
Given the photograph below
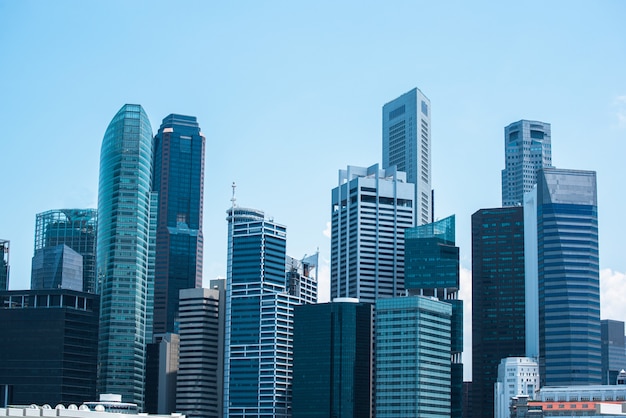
x,y
516,376
179,181
432,270
406,145
332,360
49,346
568,278
413,357
258,346
200,370
371,208
4,264
613,350
123,253
498,298
57,267
527,148
76,228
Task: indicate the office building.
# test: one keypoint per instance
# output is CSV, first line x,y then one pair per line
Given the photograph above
x,y
161,372
568,277
76,228
371,208
4,264
123,253
49,346
432,270
259,318
527,148
332,360
200,370
613,350
57,267
179,181
413,357
498,298
406,145
516,376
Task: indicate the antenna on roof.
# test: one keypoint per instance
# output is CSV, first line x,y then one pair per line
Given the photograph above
x,y
233,199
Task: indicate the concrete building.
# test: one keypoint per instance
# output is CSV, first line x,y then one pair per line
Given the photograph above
x,y
516,376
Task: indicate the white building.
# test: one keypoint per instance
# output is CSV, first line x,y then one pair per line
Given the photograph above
x,y
516,376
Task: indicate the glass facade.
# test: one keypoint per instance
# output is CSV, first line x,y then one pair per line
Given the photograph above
x,y
76,228
613,350
123,250
406,145
57,267
332,360
413,369
568,278
498,298
179,182
527,148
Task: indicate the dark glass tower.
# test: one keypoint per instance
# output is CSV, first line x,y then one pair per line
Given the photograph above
x,y
613,350
76,228
179,182
498,298
57,267
332,360
124,236
431,268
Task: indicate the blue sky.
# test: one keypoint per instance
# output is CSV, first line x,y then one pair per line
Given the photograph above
x,y
288,93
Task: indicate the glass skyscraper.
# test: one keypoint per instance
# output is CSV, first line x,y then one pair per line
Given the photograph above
x,y
613,350
498,298
76,228
57,267
432,269
406,144
413,357
179,182
527,148
332,360
371,208
568,278
124,236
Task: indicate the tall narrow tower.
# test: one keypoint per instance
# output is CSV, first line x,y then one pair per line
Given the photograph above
x,y
406,144
124,201
527,148
179,182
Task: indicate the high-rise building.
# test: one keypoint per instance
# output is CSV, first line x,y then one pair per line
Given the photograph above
x,y
200,370
371,208
57,267
76,228
516,376
332,360
527,148
568,278
432,269
124,236
498,298
161,373
4,264
259,318
413,357
613,350
179,182
406,145
49,346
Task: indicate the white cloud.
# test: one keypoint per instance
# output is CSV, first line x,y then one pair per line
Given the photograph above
x,y
612,291
620,110
465,294
326,232
323,280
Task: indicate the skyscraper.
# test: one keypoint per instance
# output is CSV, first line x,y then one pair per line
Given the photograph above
x,y
568,278
613,350
259,318
498,298
179,182
527,148
76,228
371,208
406,144
124,234
516,376
4,264
57,267
432,269
413,357
332,360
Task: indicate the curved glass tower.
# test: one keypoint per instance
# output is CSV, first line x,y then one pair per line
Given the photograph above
x,y
124,235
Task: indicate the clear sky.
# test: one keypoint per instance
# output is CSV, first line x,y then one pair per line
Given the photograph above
x,y
287,93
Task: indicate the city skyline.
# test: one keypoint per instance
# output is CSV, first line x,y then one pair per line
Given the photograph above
x,y
319,109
